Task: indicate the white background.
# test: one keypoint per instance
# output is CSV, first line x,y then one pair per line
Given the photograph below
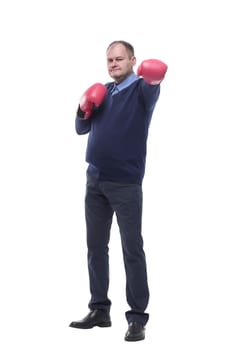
x,y
51,51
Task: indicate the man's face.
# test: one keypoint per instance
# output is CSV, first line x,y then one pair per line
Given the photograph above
x,y
119,64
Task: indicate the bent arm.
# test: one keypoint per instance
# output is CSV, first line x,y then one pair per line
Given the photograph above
x,y
82,126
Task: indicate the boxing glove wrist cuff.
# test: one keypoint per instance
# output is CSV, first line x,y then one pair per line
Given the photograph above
x,y
80,113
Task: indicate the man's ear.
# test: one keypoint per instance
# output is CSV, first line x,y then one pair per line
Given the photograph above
x,y
134,60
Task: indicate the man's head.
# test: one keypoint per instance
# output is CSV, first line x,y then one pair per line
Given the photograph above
x,y
120,60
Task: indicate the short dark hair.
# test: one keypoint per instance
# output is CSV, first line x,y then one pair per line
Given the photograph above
x,y
128,46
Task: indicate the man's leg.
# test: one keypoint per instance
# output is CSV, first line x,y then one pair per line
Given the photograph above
x,y
126,201
98,222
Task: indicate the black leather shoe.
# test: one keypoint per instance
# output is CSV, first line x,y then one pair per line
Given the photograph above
x,y
135,332
94,318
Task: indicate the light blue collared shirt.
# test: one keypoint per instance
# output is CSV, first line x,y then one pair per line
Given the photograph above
x,y
124,84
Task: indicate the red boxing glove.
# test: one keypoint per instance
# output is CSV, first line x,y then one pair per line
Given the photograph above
x,y
93,96
153,71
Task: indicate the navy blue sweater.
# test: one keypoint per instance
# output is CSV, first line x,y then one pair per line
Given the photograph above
x,y
118,131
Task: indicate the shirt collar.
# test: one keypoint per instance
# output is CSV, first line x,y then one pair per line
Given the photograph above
x,y
125,83
128,81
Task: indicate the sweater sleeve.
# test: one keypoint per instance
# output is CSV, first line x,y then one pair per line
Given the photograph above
x,y
82,126
150,94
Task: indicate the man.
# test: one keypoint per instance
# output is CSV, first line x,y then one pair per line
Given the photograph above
x,y
117,116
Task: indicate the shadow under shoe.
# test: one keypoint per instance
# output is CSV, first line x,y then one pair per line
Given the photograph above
x,y
94,318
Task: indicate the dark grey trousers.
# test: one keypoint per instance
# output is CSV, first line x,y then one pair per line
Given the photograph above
x,y
102,200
